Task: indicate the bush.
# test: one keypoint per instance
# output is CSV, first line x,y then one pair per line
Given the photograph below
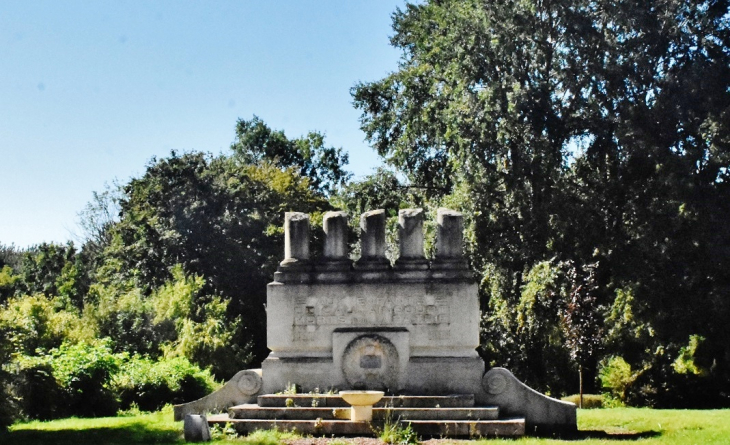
x,y
152,384
70,380
616,377
39,394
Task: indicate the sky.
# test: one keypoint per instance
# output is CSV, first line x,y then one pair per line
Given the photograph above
x,y
91,91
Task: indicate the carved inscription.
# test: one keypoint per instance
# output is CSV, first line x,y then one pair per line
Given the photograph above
x,y
370,311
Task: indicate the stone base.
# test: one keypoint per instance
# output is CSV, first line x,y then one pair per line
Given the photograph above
x,y
419,375
426,428
425,380
443,375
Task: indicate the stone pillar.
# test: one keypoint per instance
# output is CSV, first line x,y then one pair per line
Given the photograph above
x,y
334,264
449,240
296,239
372,241
335,236
410,237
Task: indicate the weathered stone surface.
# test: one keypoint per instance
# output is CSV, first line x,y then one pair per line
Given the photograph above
x,y
427,428
333,400
244,387
296,239
306,411
335,236
514,398
410,330
195,428
449,240
410,239
372,241
442,320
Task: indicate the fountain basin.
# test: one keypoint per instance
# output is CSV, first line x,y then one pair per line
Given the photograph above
x,y
362,403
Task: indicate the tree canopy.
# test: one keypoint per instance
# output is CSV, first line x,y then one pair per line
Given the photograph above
x,y
575,130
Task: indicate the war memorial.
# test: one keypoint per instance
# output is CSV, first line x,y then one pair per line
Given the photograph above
x,y
409,330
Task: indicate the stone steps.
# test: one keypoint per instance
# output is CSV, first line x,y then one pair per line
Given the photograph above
x,y
429,416
251,411
335,401
439,428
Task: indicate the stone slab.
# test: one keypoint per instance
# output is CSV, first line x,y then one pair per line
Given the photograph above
x,y
467,428
312,413
322,427
442,320
325,400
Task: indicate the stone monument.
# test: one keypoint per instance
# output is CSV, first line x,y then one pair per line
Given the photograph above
x,y
408,330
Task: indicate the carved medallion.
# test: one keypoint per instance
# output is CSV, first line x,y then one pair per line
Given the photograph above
x,y
371,362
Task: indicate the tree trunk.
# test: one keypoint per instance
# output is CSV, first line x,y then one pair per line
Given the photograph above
x,y
580,384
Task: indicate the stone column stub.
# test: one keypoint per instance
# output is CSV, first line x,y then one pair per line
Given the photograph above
x,y
296,239
372,241
335,255
410,239
449,240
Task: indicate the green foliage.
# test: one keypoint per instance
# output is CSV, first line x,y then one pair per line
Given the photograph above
x,y
55,271
592,132
685,362
214,217
8,410
270,437
8,282
35,322
395,432
81,372
616,377
178,319
149,385
223,432
324,166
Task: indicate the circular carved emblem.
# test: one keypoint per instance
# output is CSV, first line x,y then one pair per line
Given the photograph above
x,y
249,383
494,383
371,362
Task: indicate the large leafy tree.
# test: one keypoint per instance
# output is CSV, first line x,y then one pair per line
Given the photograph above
x,y
582,130
218,218
323,166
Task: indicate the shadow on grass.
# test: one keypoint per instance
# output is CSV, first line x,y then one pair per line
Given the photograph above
x,y
128,434
606,435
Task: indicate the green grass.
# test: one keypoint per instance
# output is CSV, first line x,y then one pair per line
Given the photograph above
x,y
157,428
597,426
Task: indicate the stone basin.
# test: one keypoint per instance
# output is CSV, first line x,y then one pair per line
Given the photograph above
x,y
362,403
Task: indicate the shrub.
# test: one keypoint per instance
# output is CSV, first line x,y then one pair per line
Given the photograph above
x,y
270,437
152,384
38,393
81,373
616,377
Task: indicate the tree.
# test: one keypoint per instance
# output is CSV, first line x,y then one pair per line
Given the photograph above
x,y
324,166
581,319
53,270
582,130
217,218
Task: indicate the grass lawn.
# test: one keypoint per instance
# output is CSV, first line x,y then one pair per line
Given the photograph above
x,y
597,426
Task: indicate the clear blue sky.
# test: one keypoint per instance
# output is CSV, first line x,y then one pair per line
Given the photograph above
x,y
90,91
